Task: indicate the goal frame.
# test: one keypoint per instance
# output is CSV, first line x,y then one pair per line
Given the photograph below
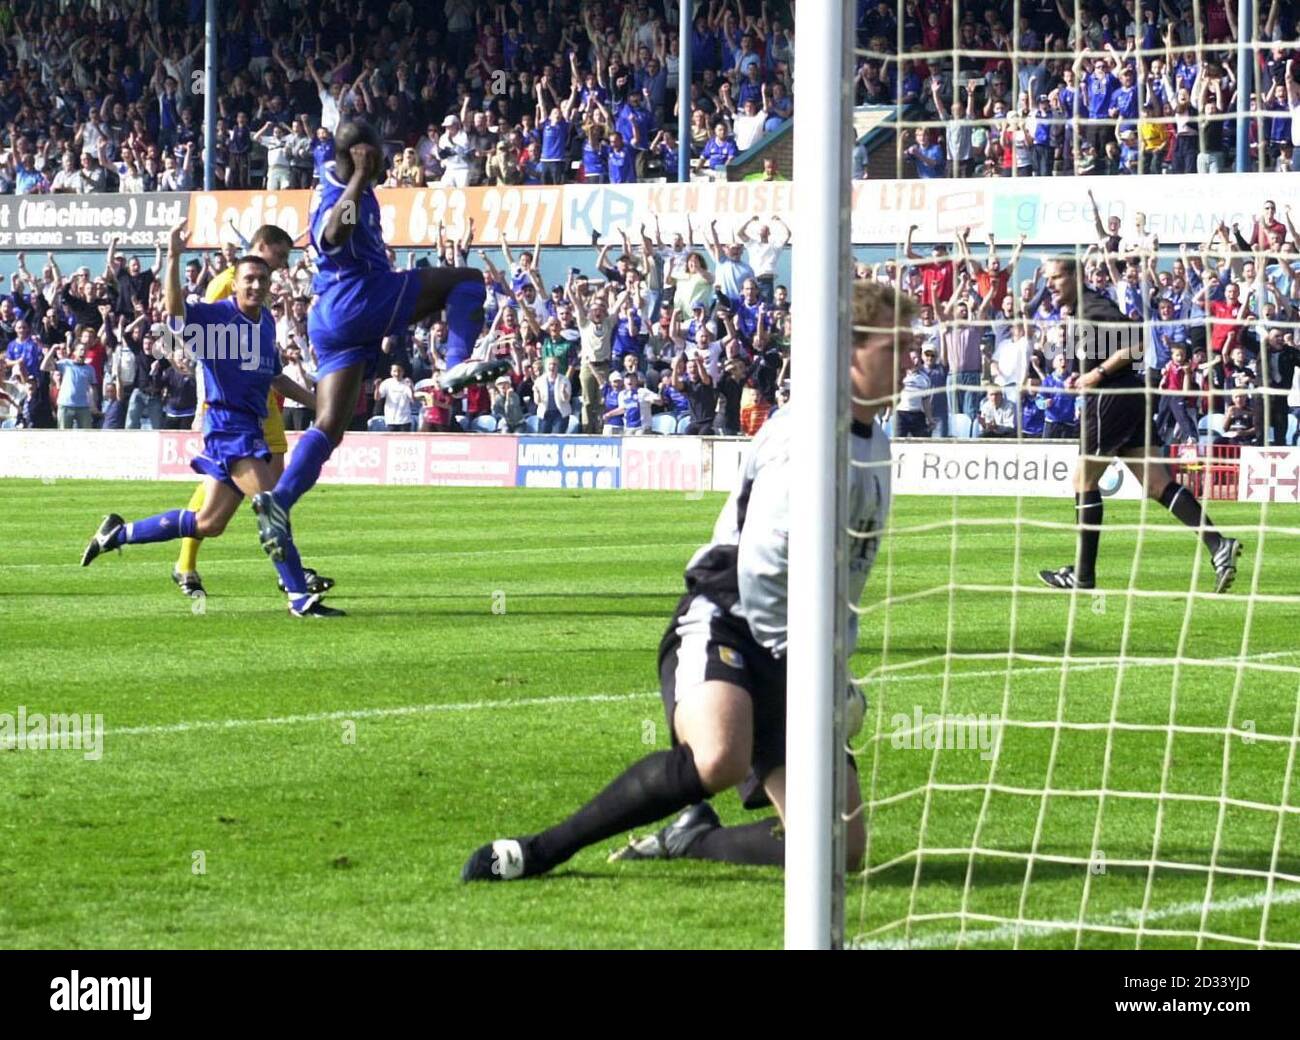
x,y
817,657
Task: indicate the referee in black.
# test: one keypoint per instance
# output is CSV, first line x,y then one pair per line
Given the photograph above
x,y
1115,421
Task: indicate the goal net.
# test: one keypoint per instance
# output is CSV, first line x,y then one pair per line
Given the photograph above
x,y
1108,767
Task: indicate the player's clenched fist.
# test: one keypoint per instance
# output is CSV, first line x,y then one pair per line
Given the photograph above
x,y
176,236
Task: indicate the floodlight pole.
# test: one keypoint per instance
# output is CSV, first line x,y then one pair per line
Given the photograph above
x,y
1245,79
209,95
684,92
816,665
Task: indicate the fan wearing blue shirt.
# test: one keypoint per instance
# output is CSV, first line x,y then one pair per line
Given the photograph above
x,y
28,180
322,149
360,299
749,312
704,46
664,145
1166,333
1060,407
612,412
718,149
1123,100
627,335
621,160
595,157
234,341
556,129
1032,415
635,122
1096,91
24,351
927,153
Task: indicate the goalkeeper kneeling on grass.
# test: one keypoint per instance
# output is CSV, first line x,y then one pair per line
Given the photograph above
x,y
722,661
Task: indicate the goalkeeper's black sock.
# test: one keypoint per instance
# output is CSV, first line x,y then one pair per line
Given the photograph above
x,y
760,844
1182,503
649,790
1088,507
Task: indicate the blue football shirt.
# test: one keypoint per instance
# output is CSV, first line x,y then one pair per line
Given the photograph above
x,y
555,140
239,360
363,253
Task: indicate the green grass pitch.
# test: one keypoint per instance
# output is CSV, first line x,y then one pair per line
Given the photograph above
x,y
328,779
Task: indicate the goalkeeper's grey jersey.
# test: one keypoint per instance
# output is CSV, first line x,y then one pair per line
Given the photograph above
x,y
745,568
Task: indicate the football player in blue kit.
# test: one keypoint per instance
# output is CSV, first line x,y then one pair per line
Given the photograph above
x,y
360,299
234,341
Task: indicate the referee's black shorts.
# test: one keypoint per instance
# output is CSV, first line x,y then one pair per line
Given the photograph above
x,y
1117,419
705,643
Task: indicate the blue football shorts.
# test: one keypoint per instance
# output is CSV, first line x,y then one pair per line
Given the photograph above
x,y
351,318
222,450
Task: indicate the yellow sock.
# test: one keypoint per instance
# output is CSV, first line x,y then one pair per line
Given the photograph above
x,y
189,558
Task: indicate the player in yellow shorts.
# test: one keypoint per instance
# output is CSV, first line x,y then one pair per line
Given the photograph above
x,y
272,244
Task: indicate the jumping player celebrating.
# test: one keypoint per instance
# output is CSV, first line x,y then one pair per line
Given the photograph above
x,y
234,342
272,244
1117,422
722,661
359,300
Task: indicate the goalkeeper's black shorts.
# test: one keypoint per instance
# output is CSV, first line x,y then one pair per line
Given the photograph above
x,y
1117,418
705,643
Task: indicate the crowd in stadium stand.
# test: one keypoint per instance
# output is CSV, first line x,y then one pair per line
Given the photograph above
x,y
993,357
108,97
671,336
692,337
1098,87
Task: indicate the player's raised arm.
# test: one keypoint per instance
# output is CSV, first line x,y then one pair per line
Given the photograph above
x,y
109,275
571,290
363,159
173,295
909,250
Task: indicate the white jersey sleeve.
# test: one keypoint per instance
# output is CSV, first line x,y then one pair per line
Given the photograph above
x,y
763,554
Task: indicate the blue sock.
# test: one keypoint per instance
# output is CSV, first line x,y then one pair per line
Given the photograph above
x,y
303,468
464,318
178,523
291,574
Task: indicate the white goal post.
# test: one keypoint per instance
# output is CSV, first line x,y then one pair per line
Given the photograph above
x,y
823,142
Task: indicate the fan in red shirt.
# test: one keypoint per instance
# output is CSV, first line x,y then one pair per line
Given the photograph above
x,y
438,405
937,274
1265,230
96,354
992,279
1225,315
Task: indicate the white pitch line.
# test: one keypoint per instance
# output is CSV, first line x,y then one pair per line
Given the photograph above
x,y
369,713
1119,918
434,556
536,702
879,675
